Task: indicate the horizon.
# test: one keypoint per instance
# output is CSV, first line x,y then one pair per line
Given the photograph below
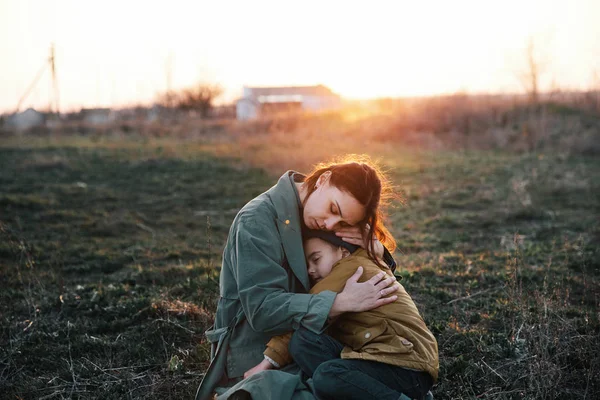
x,y
348,101
115,55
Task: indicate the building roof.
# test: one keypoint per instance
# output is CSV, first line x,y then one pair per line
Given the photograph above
x,y
95,111
289,91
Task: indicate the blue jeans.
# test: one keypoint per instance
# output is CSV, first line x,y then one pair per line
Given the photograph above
x,y
334,378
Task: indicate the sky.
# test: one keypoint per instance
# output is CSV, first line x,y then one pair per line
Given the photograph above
x,y
124,52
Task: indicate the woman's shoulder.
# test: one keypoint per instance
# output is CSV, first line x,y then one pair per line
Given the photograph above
x,y
256,210
253,227
255,219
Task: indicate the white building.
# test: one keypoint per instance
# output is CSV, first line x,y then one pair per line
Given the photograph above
x,y
96,116
260,101
26,120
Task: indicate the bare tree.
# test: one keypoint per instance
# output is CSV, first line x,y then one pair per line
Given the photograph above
x,y
199,97
535,126
593,94
531,76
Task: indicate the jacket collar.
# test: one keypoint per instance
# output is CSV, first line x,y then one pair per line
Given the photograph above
x,y
285,200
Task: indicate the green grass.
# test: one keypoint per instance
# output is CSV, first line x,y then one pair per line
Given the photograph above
x,y
109,255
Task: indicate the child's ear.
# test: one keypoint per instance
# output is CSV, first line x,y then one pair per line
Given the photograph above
x,y
345,252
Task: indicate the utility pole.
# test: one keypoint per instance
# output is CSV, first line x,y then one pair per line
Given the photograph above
x,y
54,80
169,72
49,62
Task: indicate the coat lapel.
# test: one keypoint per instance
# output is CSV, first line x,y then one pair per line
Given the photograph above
x,y
283,196
292,245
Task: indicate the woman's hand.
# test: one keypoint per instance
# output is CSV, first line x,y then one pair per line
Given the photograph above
x,y
261,366
353,234
364,296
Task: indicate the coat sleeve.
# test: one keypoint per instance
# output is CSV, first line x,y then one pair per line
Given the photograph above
x,y
277,348
263,283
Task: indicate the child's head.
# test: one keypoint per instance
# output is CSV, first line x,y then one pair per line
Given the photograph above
x,y
320,257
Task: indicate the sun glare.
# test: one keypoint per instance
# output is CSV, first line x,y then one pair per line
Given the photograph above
x,y
114,52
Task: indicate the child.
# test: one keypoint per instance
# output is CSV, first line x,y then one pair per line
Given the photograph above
x,y
393,334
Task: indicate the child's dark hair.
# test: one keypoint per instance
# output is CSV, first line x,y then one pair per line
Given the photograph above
x,y
328,237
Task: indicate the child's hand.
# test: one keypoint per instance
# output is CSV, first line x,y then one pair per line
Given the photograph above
x,y
262,366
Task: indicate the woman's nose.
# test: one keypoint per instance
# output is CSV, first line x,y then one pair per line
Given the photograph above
x,y
330,223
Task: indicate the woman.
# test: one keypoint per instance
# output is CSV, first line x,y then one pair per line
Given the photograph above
x,y
264,280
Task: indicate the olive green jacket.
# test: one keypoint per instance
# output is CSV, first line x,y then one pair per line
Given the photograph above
x,y
263,286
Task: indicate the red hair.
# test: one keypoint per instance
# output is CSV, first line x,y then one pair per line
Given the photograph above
x,y
363,180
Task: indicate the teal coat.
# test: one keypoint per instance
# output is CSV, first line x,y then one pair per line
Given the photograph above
x,y
263,286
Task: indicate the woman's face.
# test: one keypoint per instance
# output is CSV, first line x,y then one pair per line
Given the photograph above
x,y
330,209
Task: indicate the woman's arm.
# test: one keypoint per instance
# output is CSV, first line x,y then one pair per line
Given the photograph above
x,y
256,257
357,296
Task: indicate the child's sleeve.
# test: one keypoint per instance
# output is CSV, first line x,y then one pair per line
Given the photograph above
x,y
277,350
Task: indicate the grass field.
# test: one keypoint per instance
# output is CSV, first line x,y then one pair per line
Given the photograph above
x,y
110,253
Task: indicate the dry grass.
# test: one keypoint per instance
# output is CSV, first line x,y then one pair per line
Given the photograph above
x,y
109,243
568,124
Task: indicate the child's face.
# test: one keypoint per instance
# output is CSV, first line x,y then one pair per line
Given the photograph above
x,y
320,257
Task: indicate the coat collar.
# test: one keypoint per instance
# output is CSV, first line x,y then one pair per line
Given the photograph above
x,y
285,200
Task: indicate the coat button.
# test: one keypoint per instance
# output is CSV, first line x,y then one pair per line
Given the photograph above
x,y
287,221
367,335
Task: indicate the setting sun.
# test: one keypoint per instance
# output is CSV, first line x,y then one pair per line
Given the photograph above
x,y
119,53
217,199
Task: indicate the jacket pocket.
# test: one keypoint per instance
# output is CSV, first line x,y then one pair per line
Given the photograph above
x,y
358,336
398,344
401,339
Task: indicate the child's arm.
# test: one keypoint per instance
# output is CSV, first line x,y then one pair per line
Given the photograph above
x,y
277,350
276,355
